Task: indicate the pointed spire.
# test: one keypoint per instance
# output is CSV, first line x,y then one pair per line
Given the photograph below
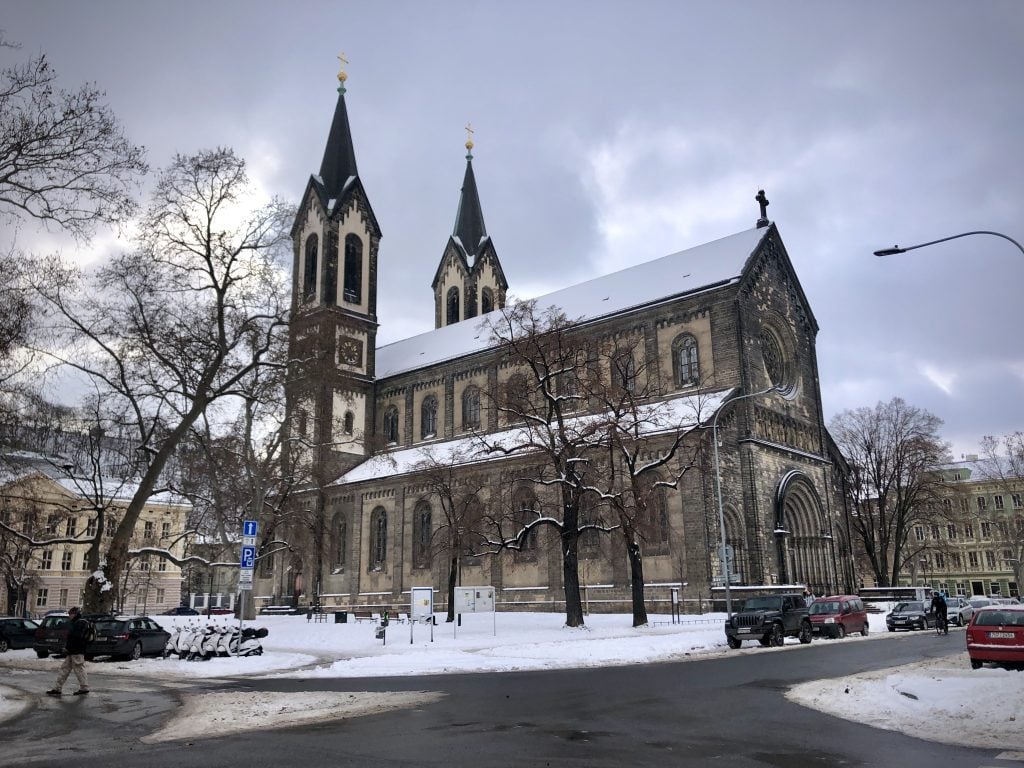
x,y
469,221
339,161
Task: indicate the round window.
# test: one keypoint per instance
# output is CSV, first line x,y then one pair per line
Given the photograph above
x,y
775,362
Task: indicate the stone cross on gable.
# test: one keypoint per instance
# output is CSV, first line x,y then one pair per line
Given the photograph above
x,y
763,202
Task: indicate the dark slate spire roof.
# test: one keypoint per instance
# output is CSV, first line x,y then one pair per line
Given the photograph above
x,y
469,221
339,161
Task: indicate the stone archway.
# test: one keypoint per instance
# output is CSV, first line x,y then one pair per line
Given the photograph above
x,y
802,534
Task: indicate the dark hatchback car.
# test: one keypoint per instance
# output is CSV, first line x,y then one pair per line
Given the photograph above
x,y
912,615
16,633
52,633
181,610
127,637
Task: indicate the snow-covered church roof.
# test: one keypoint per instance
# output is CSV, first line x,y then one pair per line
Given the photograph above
x,y
713,264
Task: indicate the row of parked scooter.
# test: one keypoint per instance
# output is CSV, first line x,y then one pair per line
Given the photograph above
x,y
196,642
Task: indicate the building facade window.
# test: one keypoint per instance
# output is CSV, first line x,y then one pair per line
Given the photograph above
x,y
471,408
310,267
968,531
986,529
526,510
428,417
378,539
685,360
452,306
149,529
997,502
919,532
161,565
340,547
421,535
972,559
624,372
1018,501
41,596
65,561
981,503
486,300
990,559
353,269
391,425
349,422
331,269
71,526
46,560
90,527
951,531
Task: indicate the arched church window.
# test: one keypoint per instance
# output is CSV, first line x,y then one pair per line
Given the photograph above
x,y
353,269
422,530
526,510
776,363
349,422
309,267
378,539
624,371
517,398
486,301
653,524
452,305
391,425
428,417
331,269
471,408
685,360
340,543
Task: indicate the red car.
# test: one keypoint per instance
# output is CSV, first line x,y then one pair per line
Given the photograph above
x,y
838,616
996,634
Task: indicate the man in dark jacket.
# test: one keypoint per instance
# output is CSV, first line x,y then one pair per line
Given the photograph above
x,y
941,611
75,654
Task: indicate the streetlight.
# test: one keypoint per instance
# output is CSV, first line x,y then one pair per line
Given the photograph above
x,y
896,249
718,492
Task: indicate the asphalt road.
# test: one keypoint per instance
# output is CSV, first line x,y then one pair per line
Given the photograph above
x,y
727,711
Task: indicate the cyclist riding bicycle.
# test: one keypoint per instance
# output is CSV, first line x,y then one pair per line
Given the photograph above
x,y
939,608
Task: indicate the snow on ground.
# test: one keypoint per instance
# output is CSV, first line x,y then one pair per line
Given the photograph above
x,y
939,700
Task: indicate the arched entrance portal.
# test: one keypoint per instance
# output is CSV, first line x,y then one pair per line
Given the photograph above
x,y
803,535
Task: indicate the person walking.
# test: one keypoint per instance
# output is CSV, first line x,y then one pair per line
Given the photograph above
x,y
74,658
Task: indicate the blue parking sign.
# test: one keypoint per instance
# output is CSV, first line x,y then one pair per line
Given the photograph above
x,y
249,527
248,557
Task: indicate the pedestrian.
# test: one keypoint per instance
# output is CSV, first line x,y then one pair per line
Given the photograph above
x,y
808,595
75,654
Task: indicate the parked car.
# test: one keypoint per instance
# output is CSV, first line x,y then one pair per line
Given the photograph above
x,y
769,619
16,633
978,601
181,610
958,610
127,637
219,611
838,616
52,633
910,615
996,634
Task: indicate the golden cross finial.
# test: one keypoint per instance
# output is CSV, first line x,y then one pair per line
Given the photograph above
x,y
341,69
469,136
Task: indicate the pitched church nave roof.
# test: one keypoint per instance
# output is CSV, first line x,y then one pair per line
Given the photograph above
x,y
706,266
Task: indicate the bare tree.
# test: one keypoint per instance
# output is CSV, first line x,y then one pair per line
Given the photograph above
x,y
458,534
169,330
892,450
646,451
64,158
543,405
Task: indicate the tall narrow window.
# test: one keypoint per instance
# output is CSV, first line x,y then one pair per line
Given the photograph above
x,y
486,301
452,306
517,398
624,371
685,360
471,408
340,542
349,422
353,269
422,530
391,425
526,510
309,270
331,269
378,538
428,417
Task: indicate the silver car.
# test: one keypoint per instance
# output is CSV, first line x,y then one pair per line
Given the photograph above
x,y
958,610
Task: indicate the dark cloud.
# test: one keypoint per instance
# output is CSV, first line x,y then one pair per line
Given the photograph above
x,y
609,133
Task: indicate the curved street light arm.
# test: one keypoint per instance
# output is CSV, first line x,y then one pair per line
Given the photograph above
x,y
896,249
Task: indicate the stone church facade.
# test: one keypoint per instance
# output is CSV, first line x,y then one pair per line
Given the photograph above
x,y
724,321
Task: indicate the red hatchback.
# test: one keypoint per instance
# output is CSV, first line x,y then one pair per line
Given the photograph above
x,y
996,634
838,616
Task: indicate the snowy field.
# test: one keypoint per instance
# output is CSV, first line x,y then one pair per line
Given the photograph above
x,y
941,700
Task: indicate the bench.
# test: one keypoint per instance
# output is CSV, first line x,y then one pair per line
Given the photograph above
x,y
362,615
317,617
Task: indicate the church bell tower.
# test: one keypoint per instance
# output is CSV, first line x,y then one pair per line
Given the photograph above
x,y
332,335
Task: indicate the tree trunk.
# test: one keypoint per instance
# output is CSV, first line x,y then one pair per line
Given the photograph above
x,y
571,578
453,571
636,574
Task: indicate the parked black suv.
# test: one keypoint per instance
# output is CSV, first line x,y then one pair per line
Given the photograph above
x,y
769,619
16,633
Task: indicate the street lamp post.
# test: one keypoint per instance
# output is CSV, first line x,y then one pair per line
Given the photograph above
x,y
896,249
718,493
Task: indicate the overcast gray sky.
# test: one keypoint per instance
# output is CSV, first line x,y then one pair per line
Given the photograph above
x,y
611,133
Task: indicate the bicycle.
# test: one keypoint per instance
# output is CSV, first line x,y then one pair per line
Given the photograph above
x,y
941,625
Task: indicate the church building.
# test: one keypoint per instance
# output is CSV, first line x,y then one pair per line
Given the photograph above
x,y
725,324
